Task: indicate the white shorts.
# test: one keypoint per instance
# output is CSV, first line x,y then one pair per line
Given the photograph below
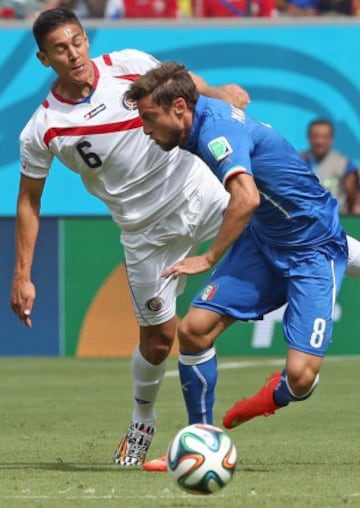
x,y
150,251
353,267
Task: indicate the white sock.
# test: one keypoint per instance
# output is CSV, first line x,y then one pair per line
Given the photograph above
x,y
147,379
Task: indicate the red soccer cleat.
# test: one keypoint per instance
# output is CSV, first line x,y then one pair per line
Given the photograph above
x,y
260,404
159,464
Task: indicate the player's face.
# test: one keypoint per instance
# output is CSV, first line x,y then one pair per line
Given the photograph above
x,y
321,139
165,127
65,49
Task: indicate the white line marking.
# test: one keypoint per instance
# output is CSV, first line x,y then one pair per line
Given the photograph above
x,y
264,362
110,496
351,496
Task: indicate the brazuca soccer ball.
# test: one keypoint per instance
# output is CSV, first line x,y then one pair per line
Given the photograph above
x,y
201,459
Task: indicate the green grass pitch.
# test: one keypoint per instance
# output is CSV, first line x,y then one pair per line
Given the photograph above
x,y
60,420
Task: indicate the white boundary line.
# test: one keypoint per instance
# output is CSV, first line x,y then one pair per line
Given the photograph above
x,y
109,496
263,362
352,495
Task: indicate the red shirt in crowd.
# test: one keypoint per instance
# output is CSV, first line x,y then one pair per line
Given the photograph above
x,y
150,8
231,8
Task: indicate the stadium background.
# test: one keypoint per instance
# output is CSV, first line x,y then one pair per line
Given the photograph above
x,y
293,73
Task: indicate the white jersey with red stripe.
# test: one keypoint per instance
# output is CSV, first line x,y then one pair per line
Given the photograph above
x,y
101,138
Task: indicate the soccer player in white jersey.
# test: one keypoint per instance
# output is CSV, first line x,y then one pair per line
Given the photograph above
x,y
166,204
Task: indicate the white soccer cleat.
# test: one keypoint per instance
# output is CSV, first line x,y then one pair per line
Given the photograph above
x,y
132,449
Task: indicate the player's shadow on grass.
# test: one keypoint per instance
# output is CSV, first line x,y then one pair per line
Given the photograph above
x,y
253,469
72,467
67,467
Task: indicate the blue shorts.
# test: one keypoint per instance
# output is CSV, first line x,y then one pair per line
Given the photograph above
x,y
255,278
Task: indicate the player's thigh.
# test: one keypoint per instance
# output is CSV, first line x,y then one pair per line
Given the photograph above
x,y
154,298
244,285
148,253
313,286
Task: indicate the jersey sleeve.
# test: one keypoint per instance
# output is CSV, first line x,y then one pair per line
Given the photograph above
x,y
35,157
133,61
351,167
226,148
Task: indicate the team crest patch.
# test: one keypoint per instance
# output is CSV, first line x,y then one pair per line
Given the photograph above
x,y
220,148
155,304
209,292
129,104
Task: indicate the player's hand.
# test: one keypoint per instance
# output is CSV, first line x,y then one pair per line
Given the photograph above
x,y
237,95
188,266
22,300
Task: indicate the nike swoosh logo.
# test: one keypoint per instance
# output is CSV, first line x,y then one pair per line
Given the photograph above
x,y
141,401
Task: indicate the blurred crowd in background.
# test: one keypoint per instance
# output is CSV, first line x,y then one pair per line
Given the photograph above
x,y
116,9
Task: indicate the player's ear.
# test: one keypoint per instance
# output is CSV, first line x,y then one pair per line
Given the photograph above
x,y
43,58
179,106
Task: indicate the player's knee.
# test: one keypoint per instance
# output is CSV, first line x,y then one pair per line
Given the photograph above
x,y
156,348
157,353
191,338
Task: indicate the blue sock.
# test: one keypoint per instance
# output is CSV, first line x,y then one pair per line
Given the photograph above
x,y
198,376
283,393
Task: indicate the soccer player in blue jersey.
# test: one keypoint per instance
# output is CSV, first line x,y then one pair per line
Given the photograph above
x,y
280,242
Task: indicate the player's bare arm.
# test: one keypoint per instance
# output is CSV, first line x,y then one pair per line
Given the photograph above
x,y
244,199
230,93
27,226
351,183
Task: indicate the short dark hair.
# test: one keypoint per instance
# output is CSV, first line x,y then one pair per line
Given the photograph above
x,y
165,84
320,121
49,20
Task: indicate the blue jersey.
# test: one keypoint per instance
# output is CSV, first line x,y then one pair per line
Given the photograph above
x,y
295,209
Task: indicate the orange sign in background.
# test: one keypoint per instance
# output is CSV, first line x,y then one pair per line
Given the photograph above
x,y
109,328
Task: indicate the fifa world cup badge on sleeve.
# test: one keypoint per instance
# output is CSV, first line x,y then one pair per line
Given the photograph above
x,y
220,148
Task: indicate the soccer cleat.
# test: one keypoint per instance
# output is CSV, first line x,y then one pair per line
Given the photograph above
x,y
260,404
159,464
132,449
